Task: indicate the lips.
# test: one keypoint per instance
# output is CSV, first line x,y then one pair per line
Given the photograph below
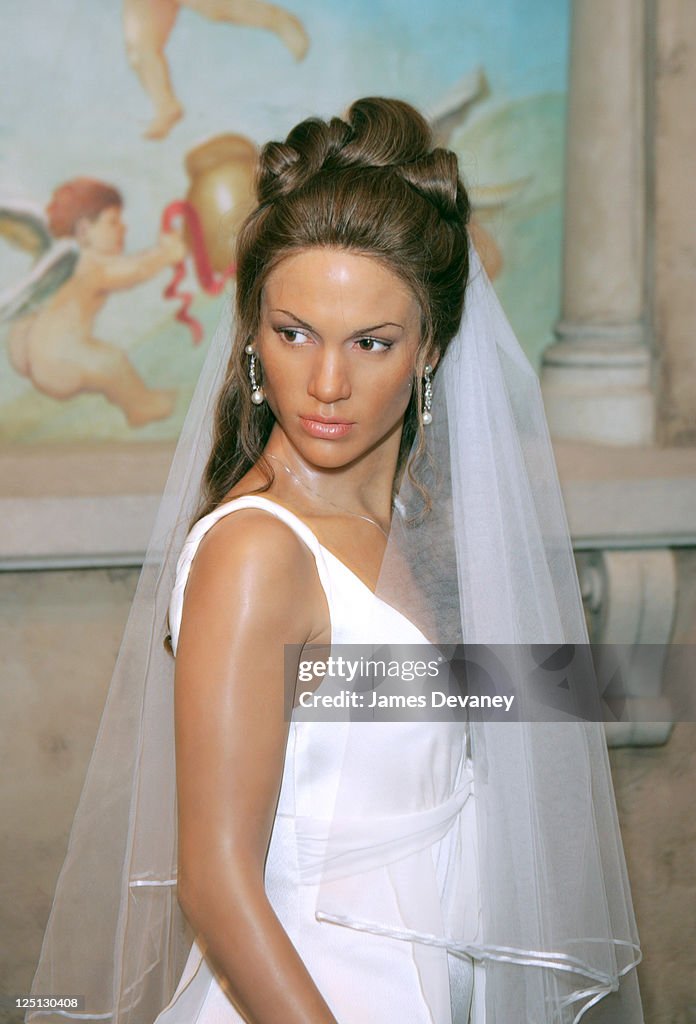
x,y
328,428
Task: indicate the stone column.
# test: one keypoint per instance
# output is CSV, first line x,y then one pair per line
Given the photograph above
x,y
597,378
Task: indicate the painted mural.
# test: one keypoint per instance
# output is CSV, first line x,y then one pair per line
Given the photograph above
x,y
128,136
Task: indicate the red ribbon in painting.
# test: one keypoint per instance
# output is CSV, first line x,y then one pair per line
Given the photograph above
x,y
209,281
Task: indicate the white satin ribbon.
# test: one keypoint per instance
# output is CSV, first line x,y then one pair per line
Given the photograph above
x,y
524,957
329,849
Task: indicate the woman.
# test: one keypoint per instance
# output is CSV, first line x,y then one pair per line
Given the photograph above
x,y
371,481
343,300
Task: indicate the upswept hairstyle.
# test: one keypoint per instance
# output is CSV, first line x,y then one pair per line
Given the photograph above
x,y
372,184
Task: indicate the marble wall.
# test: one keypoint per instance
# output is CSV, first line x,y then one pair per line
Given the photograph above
x,y
675,219
59,636
655,797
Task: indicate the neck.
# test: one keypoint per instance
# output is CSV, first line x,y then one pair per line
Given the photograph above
x,y
363,486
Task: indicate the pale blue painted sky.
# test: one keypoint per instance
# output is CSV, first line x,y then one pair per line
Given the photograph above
x,y
71,105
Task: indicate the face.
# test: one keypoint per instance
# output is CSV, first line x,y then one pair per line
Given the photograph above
x,y
337,341
105,234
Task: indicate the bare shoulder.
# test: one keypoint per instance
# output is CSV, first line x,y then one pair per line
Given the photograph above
x,y
252,563
256,540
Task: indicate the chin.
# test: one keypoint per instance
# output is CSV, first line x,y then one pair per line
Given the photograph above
x,y
334,454
321,452
329,454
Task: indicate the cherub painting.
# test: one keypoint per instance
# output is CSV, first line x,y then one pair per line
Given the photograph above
x,y
149,23
51,338
251,71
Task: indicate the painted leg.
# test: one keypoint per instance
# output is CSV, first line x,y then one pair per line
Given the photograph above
x,y
17,346
108,370
147,27
256,14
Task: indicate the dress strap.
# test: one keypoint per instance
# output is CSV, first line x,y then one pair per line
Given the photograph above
x,y
199,530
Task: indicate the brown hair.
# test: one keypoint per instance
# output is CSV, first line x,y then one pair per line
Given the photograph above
x,y
371,184
78,198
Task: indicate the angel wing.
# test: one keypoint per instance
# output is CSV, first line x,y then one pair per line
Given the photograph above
x,y
448,114
24,226
493,197
453,107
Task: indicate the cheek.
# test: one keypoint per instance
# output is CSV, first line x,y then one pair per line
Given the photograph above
x,y
284,379
279,370
396,386
385,398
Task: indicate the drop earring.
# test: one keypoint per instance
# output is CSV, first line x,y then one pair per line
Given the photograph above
x,y
257,392
427,395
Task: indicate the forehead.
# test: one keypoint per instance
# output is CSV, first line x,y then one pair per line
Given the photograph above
x,y
332,283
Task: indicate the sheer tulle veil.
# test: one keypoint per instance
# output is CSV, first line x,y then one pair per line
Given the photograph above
x,y
494,564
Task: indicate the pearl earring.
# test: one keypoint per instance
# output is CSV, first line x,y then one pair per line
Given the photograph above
x,y
427,395
257,392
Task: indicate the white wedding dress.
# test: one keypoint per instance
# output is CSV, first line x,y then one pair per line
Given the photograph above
x,y
415,870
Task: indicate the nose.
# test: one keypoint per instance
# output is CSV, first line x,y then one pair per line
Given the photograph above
x,y
329,381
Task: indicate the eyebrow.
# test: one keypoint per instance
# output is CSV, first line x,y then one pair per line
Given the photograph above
x,y
355,334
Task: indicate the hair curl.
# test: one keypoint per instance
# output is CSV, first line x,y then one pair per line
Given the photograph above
x,y
372,184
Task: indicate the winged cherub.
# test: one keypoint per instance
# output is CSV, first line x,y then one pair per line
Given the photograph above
x,y
52,310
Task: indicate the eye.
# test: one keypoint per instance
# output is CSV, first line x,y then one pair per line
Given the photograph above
x,y
291,335
372,345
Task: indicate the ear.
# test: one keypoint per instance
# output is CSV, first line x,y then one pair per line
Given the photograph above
x,y
433,358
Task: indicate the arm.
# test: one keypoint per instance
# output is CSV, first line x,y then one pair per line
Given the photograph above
x,y
121,272
230,743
